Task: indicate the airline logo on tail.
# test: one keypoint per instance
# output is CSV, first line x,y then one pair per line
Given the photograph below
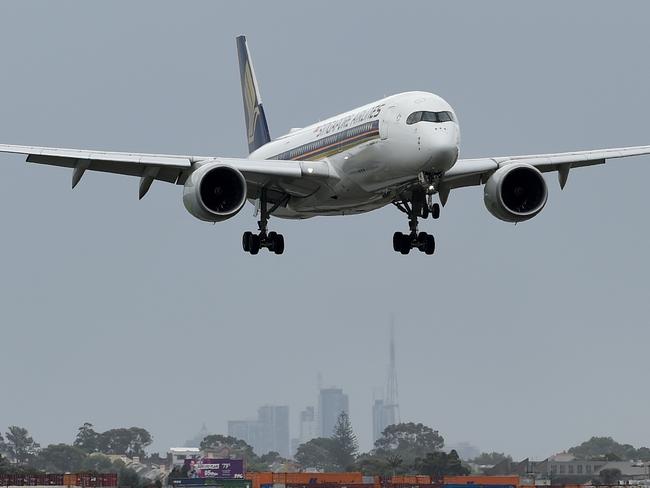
x,y
250,103
257,130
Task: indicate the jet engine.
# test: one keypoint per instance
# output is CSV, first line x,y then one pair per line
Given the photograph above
x,y
515,193
215,192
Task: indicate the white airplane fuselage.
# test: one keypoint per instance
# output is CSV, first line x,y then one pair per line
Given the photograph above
x,y
373,150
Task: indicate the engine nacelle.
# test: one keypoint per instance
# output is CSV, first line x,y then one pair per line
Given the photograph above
x,y
215,192
515,193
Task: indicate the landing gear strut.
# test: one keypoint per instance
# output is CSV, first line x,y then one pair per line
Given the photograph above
x,y
426,243
274,242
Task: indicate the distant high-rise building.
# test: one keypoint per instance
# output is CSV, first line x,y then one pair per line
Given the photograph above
x,y
308,425
308,428
198,438
377,419
385,411
274,425
270,432
246,430
331,402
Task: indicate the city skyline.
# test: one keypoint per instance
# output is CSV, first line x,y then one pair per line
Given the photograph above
x,y
171,306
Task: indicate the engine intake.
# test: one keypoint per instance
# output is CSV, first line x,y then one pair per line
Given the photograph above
x,y
515,193
215,192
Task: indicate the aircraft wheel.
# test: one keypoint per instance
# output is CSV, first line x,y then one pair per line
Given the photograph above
x,y
254,244
278,243
405,245
429,245
397,241
422,240
435,211
245,241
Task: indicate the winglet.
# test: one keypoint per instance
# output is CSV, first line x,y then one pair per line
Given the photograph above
x,y
257,129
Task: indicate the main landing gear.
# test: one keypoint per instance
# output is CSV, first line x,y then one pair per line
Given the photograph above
x,y
426,243
274,242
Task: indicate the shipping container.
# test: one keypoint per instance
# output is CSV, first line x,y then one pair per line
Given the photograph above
x,y
410,480
77,480
212,482
268,480
482,480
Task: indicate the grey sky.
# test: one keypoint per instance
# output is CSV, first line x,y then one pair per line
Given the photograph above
x,y
525,339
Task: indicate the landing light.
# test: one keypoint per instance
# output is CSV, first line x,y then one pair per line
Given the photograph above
x,y
310,170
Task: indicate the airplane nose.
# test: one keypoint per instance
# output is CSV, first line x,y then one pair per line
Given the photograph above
x,y
444,147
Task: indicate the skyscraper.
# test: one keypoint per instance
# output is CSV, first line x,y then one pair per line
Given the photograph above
x,y
308,425
308,428
378,424
270,432
274,427
392,402
385,411
331,402
246,430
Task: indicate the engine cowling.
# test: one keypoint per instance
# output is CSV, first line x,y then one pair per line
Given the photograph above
x,y
515,193
215,192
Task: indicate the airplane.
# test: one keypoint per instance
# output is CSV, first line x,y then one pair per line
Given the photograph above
x,y
400,150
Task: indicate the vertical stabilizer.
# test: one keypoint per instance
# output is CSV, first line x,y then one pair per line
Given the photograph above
x,y
257,130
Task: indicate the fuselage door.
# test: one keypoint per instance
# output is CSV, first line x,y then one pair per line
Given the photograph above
x,y
386,120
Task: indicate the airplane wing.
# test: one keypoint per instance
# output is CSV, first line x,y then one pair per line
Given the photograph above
x,y
473,172
290,177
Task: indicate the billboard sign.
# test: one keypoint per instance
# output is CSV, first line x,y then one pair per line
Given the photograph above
x,y
225,469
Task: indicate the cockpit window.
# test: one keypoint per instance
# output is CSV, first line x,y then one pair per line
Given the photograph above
x,y
430,117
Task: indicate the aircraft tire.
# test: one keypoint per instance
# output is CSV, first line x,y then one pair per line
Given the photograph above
x,y
254,244
278,243
397,241
405,245
245,241
429,245
435,211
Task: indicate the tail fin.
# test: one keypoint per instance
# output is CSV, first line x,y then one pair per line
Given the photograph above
x,y
256,127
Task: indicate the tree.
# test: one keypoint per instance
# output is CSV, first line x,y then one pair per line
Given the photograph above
x,y
230,446
266,461
129,442
610,476
3,446
124,441
371,465
345,446
409,441
20,444
454,466
97,463
87,439
598,447
490,458
59,458
126,477
643,454
317,453
439,464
